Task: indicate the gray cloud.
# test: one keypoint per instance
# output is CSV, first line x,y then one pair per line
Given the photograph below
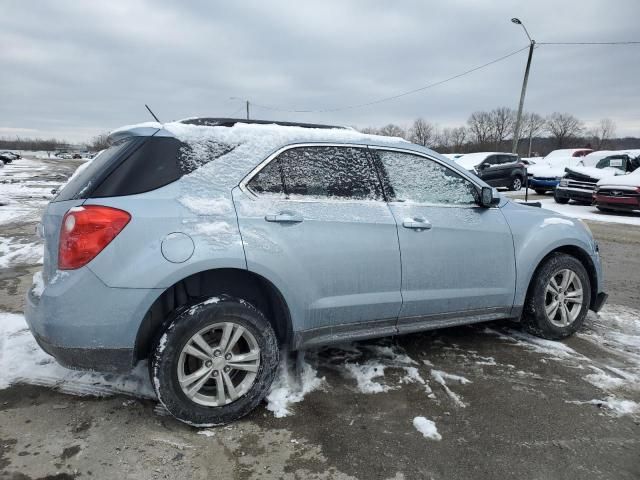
x,y
75,69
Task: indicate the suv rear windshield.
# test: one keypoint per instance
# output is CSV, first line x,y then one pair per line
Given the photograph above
x,y
83,181
138,165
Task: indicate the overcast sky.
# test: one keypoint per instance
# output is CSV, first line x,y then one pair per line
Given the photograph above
x,y
74,69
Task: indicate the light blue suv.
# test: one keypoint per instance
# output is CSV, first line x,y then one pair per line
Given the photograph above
x,y
207,245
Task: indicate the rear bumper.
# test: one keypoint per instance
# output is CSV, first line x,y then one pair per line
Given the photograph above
x,y
84,324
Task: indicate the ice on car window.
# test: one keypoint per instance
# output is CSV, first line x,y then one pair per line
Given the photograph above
x,y
417,179
330,172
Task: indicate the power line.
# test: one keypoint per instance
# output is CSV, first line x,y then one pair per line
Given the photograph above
x,y
589,43
393,97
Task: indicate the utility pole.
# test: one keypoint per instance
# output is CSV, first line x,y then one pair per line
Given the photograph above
x,y
247,109
532,44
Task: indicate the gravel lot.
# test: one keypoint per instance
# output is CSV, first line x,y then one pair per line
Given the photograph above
x,y
504,404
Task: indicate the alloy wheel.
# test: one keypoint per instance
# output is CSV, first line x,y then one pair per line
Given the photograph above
x,y
563,298
218,364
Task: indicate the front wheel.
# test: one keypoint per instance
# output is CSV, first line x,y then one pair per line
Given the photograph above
x,y
516,184
215,362
558,298
559,199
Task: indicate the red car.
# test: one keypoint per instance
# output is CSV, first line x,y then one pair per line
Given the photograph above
x,y
620,193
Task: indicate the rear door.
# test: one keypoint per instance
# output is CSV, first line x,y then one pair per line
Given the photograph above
x,y
314,219
457,257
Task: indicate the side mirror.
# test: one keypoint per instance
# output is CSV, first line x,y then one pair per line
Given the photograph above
x,y
486,197
482,166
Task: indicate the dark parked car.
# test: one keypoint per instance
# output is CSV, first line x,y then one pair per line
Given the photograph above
x,y
579,183
8,157
495,168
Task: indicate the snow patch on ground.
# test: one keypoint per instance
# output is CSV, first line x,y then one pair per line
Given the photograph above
x,y
23,361
291,385
441,378
365,374
616,331
13,252
427,428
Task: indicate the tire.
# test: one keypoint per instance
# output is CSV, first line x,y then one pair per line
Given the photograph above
x,y
540,191
170,363
516,184
605,210
536,319
559,199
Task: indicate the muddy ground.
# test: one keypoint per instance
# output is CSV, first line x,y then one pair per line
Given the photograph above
x,y
518,416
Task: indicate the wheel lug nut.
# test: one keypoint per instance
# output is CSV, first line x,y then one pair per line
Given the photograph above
x,y
217,353
226,369
215,373
208,363
227,356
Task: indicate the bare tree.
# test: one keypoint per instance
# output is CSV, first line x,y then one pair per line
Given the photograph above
x,y
369,130
480,128
532,125
423,133
502,120
99,142
458,138
603,132
563,127
392,130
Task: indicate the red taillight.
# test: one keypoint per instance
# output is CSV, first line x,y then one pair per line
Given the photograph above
x,y
85,231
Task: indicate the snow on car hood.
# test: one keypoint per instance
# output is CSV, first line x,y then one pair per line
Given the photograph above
x,y
597,173
544,170
630,180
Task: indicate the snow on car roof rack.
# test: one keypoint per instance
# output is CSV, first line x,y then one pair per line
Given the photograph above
x,y
230,122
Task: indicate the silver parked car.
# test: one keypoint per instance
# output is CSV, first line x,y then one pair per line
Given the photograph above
x,y
207,245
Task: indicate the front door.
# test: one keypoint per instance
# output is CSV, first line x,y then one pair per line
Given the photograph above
x,y
457,257
314,220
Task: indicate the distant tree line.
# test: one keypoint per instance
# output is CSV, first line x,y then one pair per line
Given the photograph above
x,y
38,144
98,143
493,131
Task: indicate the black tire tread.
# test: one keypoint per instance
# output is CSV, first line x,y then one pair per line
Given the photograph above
x,y
534,318
189,320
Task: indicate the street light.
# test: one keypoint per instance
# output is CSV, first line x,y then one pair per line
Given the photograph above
x,y
532,43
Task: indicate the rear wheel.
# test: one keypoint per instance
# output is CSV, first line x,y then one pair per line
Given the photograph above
x,y
558,299
516,184
215,362
540,191
603,209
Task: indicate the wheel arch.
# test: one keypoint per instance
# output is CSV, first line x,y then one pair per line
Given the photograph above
x,y
235,282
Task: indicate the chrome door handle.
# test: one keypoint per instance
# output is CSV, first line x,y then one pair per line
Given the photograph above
x,y
417,224
284,218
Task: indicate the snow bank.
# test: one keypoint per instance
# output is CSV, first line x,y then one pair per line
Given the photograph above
x,y
588,212
427,428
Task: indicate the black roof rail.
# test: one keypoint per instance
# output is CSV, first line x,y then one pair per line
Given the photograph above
x,y
230,122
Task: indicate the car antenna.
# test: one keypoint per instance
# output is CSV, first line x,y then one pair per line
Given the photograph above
x,y
152,114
